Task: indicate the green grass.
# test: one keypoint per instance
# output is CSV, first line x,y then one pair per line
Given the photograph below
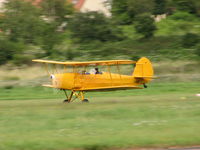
x,y
165,114
37,92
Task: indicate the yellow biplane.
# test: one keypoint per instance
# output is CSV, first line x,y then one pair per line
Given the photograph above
x,y
75,78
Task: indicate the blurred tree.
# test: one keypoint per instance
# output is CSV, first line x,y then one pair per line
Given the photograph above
x,y
51,37
57,13
197,49
184,16
8,49
186,5
57,10
145,25
91,26
21,21
189,40
124,11
197,5
160,7
26,23
139,7
119,12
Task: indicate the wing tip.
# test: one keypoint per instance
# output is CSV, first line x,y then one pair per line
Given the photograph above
x,y
48,85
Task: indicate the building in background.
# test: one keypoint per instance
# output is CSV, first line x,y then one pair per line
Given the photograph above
x,y
83,5
1,3
92,5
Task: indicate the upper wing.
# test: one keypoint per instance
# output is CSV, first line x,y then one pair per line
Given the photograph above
x,y
106,62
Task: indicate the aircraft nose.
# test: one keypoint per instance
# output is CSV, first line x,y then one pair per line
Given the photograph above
x,y
55,80
52,76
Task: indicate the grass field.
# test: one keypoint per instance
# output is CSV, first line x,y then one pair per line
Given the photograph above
x,y
164,115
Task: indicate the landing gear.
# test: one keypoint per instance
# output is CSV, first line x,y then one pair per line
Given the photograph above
x,y
75,95
145,86
85,101
66,101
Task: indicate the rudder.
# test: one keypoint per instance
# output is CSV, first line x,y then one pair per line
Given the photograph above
x,y
143,69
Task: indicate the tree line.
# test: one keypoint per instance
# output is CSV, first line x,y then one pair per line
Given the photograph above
x,y
54,29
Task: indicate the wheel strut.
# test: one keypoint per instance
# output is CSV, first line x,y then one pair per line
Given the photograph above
x,y
75,95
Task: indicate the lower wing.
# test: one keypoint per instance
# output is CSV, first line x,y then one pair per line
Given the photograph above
x,y
107,88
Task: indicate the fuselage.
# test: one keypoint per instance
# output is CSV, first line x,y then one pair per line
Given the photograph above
x,y
76,81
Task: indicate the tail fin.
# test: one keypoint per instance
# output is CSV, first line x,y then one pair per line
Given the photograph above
x,y
143,69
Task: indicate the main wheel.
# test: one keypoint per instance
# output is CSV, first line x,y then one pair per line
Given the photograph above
x,y
85,101
66,101
145,86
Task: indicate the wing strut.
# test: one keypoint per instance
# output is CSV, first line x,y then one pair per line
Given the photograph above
x,y
119,72
110,75
55,68
46,68
65,69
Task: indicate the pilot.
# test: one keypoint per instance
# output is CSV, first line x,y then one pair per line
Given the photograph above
x,y
84,72
97,71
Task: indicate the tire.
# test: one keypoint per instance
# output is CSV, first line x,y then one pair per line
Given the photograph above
x,y
66,101
85,101
145,86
